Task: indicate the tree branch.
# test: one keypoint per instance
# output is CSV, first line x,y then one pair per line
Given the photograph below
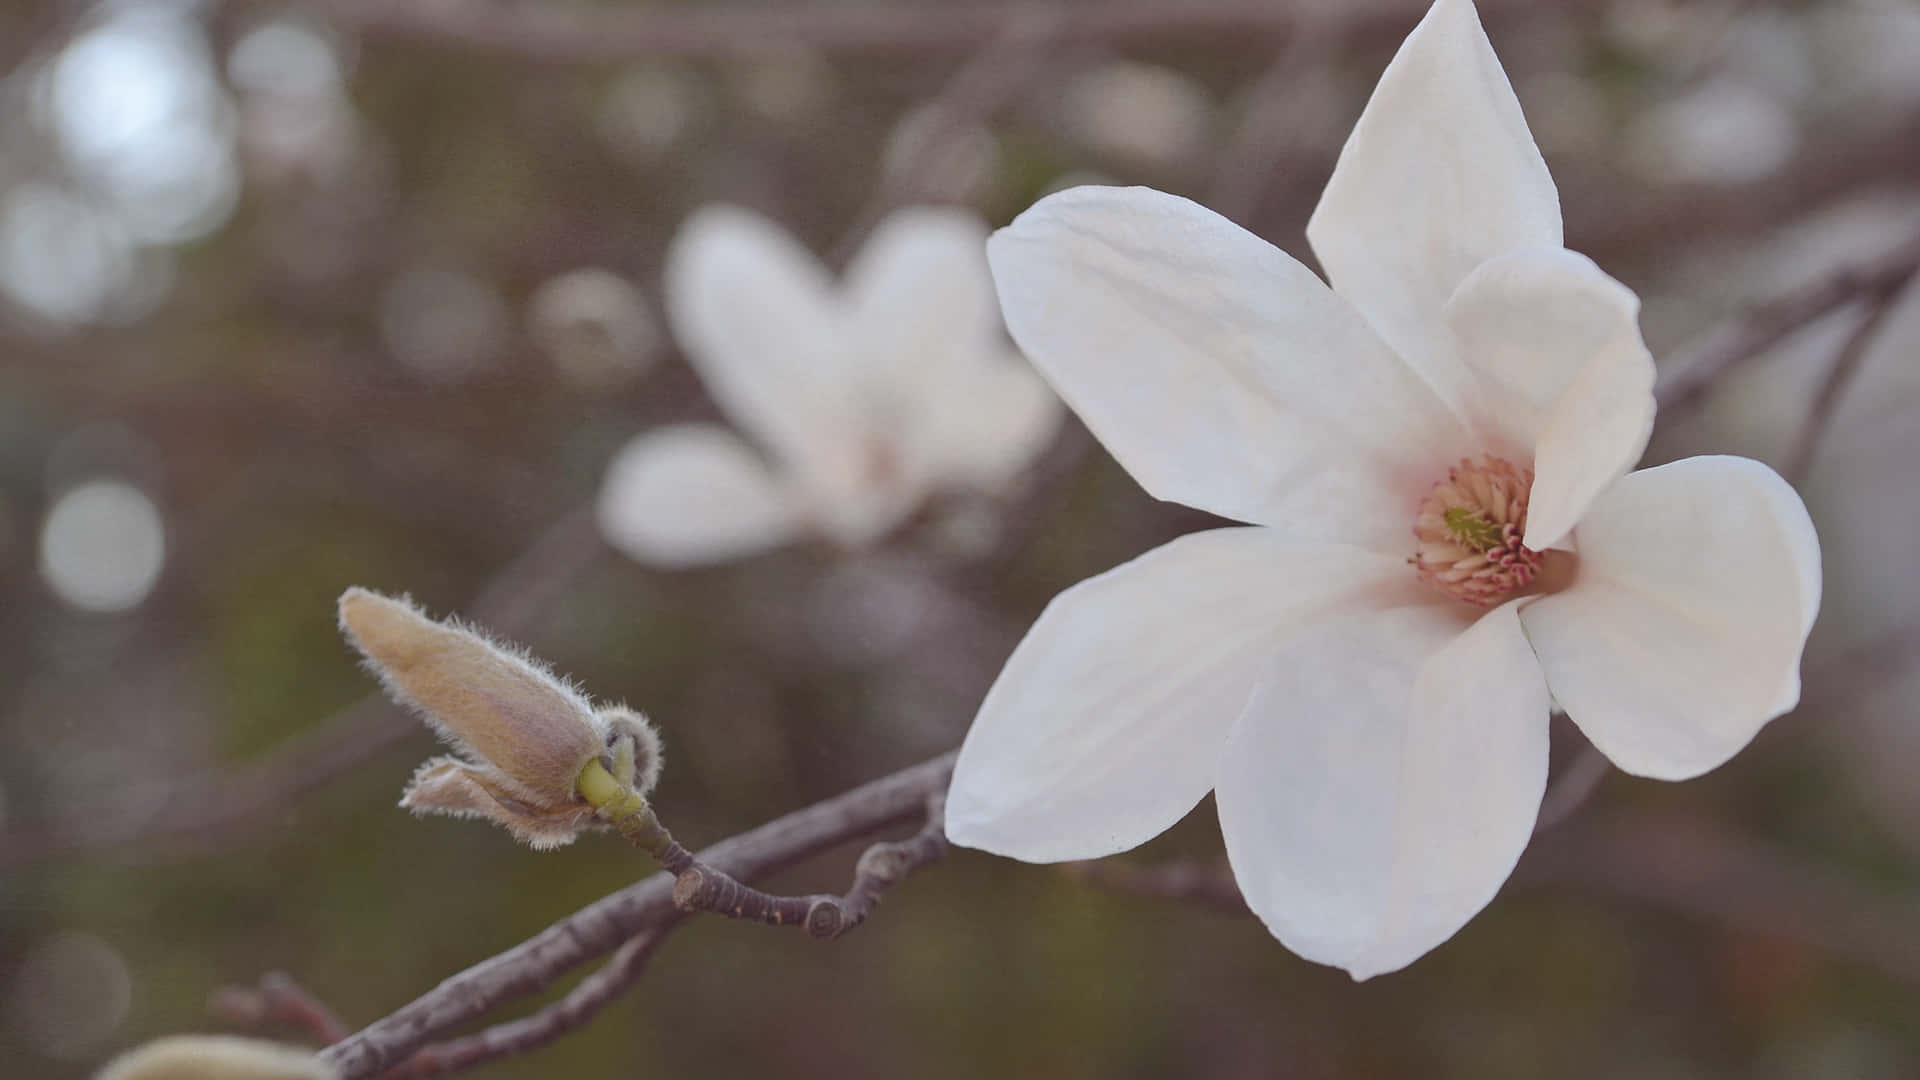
x,y
988,82
1765,326
640,908
278,1000
555,33
581,1004
1690,866
1713,873
1840,374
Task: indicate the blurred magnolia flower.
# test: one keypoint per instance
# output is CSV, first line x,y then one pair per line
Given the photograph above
x,y
217,1057
1447,543
523,735
866,397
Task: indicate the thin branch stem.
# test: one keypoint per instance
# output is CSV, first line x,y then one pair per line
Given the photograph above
x,y
988,82
1693,867
1729,879
1765,326
570,1013
583,33
1270,126
1840,374
278,1000
648,905
700,887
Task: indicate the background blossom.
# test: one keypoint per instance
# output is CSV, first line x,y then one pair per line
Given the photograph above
x,y
866,395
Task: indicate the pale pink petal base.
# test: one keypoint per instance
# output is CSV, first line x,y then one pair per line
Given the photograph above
x,y
1563,380
1384,780
1681,637
1105,726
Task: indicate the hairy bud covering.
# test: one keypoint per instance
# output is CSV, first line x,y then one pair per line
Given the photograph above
x,y
521,735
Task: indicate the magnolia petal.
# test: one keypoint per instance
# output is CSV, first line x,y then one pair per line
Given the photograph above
x,y
986,424
1105,727
1383,781
1220,372
1439,175
1682,633
759,319
690,495
1564,379
921,296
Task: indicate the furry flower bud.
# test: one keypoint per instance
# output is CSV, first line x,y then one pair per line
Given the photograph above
x,y
216,1057
522,736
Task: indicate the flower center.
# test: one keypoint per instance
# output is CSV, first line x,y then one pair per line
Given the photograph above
x,y
1469,531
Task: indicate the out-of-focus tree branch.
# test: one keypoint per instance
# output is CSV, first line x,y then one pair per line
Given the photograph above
x,y
581,1004
880,868
987,83
1717,874
221,804
646,907
1767,325
1683,864
278,1000
584,33
1841,370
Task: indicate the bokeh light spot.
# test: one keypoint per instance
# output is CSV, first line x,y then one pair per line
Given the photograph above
x,y
102,546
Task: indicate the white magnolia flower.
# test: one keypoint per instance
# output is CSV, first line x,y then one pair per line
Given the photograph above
x,y
1446,544
865,396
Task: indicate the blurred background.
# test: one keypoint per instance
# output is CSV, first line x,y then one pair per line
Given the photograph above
x,y
297,296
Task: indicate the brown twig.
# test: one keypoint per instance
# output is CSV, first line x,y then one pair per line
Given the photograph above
x,y
1840,374
580,1005
886,864
982,86
1841,682
1767,325
1689,866
220,804
1616,219
1713,873
698,886
582,33
880,867
1270,126
646,906
277,1000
